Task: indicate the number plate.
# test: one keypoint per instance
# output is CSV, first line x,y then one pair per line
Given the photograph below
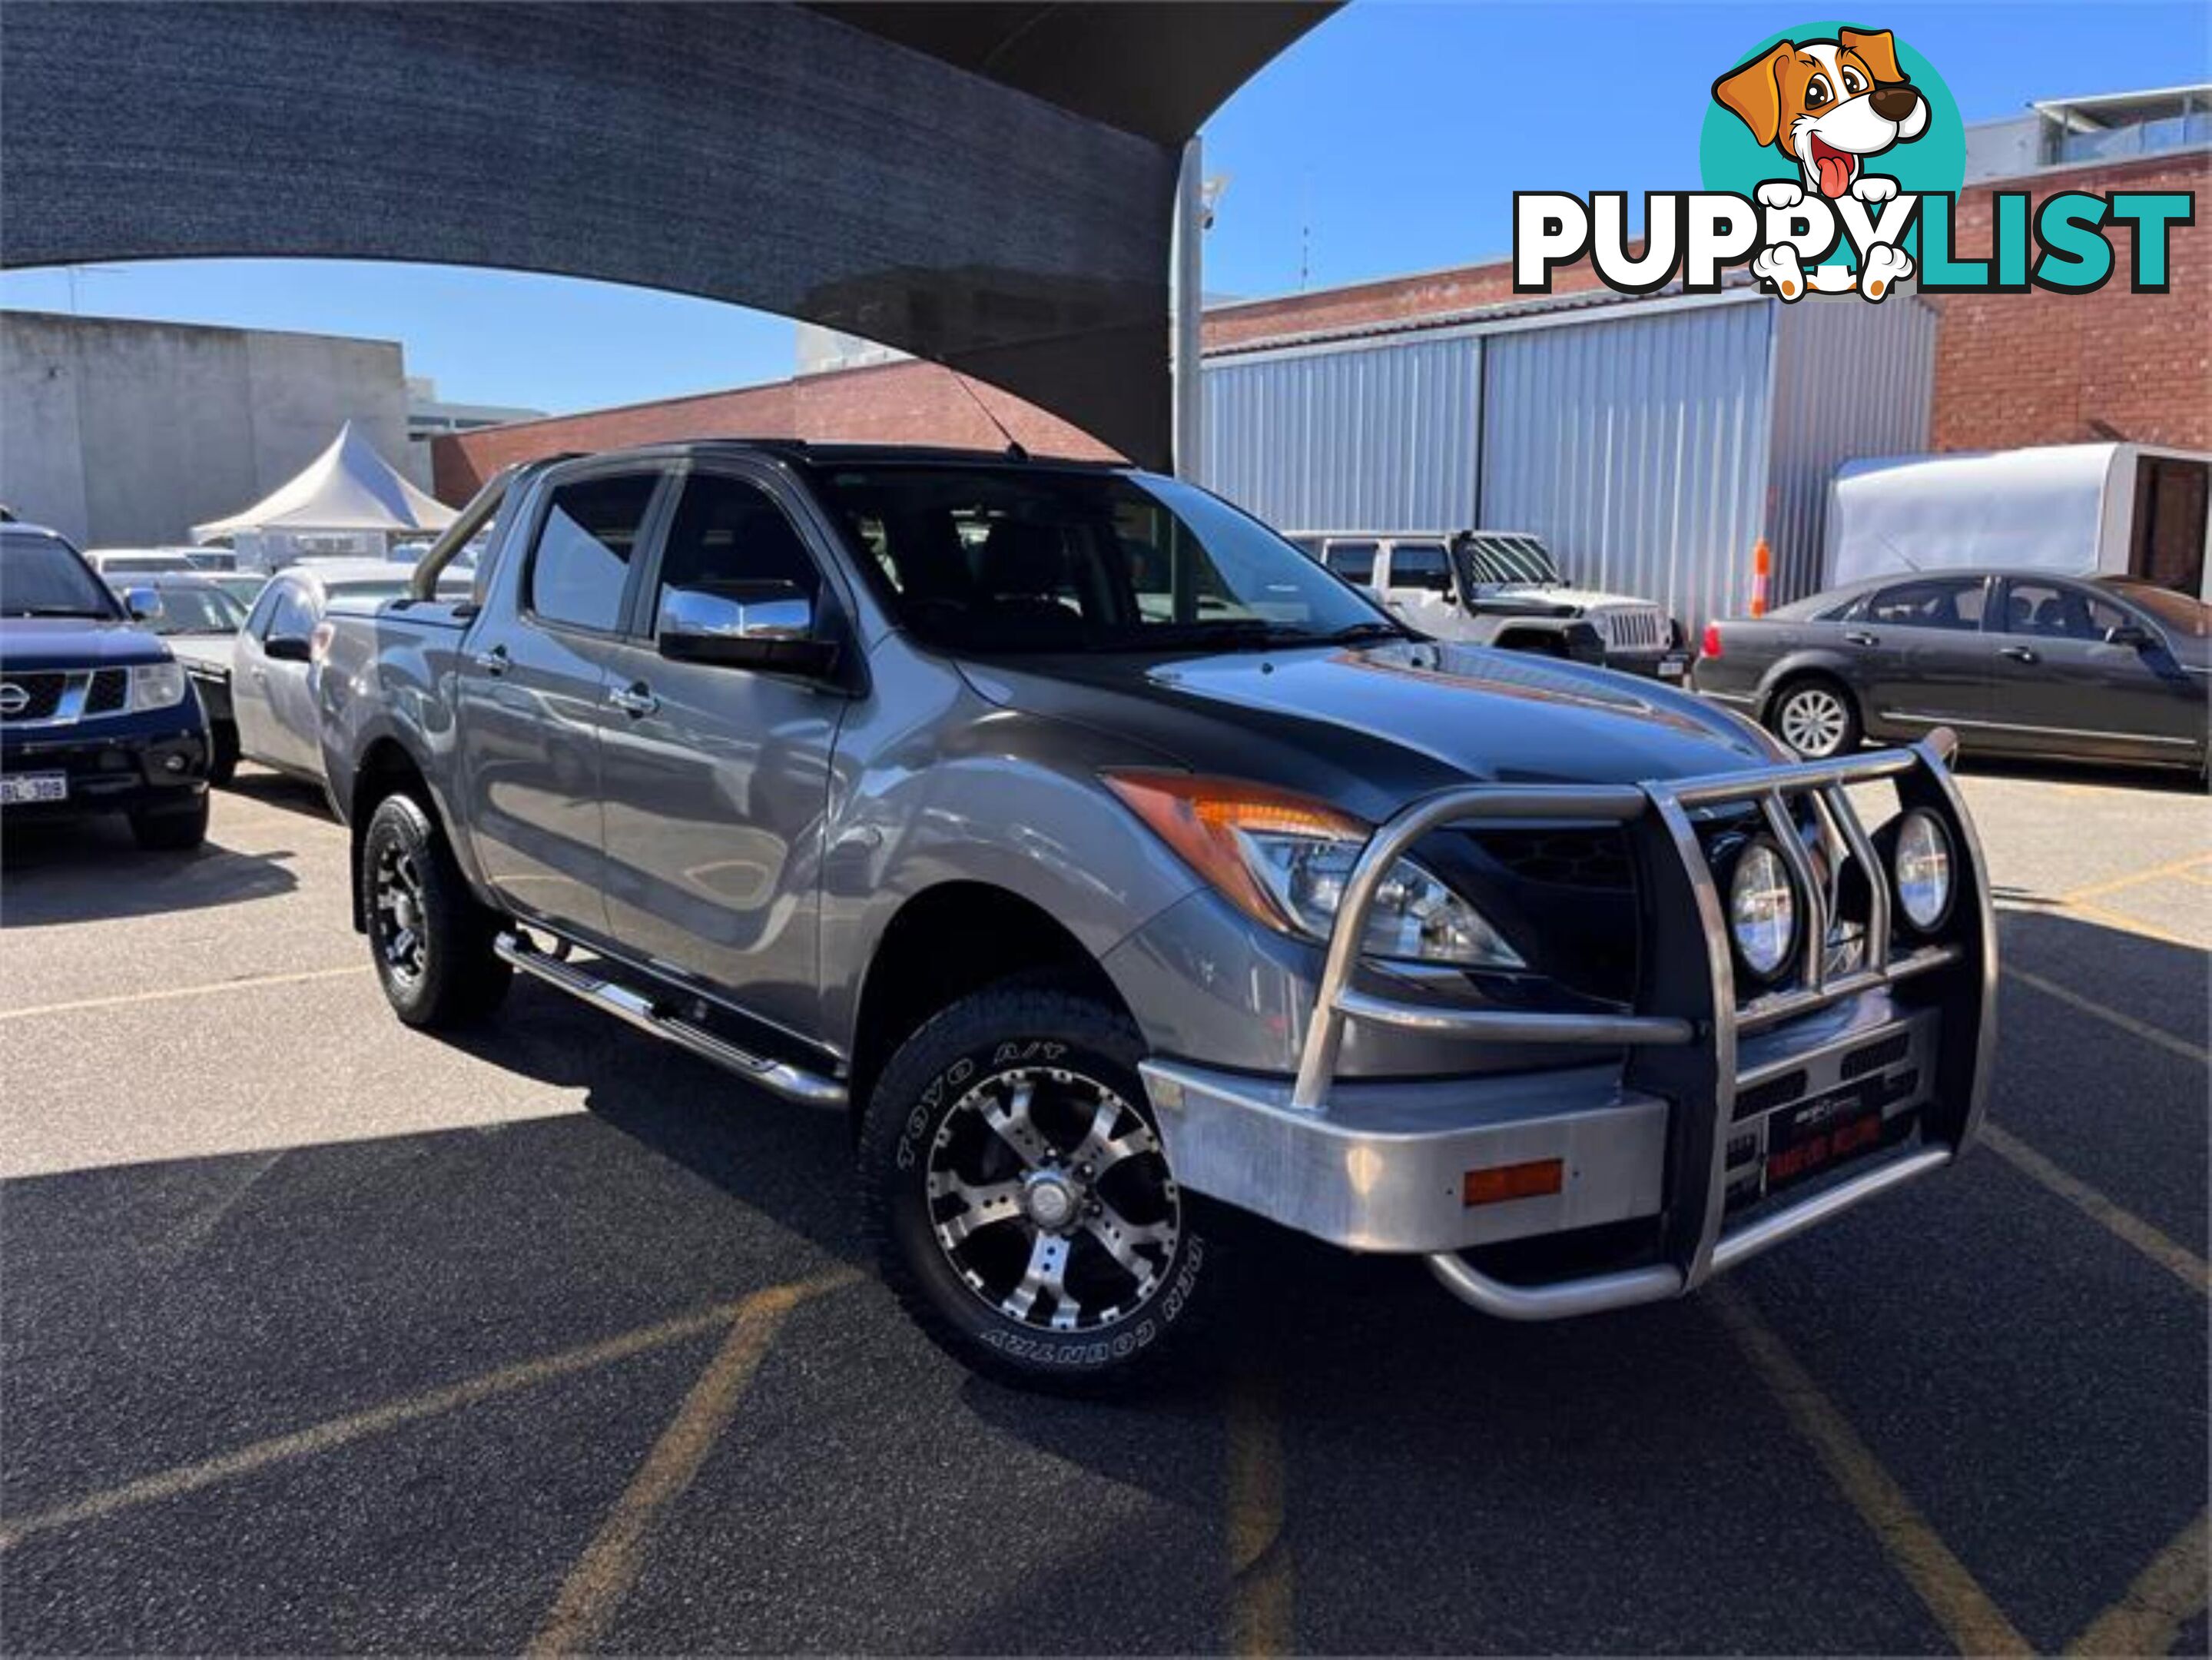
x,y
1673,668
24,787
1809,1138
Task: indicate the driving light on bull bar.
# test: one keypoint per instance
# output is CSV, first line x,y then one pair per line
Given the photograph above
x,y
1284,860
1922,867
1762,908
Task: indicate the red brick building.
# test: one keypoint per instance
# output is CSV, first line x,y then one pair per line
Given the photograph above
x,y
2011,369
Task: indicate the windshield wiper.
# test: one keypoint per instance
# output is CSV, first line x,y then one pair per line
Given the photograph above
x,y
1377,629
54,610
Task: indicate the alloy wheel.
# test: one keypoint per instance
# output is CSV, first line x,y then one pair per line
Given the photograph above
x,y
1813,722
1050,1198
397,889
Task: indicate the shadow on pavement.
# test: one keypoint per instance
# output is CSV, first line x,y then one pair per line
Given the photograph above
x,y
2164,781
272,789
89,870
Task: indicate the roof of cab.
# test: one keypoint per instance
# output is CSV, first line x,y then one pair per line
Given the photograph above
x,y
807,452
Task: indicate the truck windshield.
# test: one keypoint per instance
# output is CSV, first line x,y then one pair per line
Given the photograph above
x,y
1036,558
1499,560
42,576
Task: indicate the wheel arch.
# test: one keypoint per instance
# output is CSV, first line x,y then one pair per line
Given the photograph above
x,y
946,942
388,767
1799,665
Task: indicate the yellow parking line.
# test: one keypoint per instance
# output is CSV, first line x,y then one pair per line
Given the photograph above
x,y
2177,1260
1974,1623
354,1426
608,1567
250,982
2127,1022
1259,1561
2121,920
2165,1596
2117,883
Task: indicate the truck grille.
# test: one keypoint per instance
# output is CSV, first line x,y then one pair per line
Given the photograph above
x,y
32,695
110,690
1585,857
59,697
1634,628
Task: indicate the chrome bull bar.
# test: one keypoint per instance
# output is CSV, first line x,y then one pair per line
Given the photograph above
x,y
1681,1038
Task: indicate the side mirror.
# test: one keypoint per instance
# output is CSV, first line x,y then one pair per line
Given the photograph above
x,y
2130,634
144,605
755,625
288,648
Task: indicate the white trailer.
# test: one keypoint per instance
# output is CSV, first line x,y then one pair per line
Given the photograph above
x,y
2079,509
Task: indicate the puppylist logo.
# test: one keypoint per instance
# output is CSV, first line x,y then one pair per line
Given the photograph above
x,y
1832,156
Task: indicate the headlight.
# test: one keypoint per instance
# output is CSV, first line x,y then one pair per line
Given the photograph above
x,y
1922,865
1762,908
1285,859
157,686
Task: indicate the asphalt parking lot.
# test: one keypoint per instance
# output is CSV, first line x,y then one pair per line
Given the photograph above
x,y
323,1335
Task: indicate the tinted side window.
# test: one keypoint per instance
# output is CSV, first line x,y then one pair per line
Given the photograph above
x,y
1420,565
728,533
1938,603
2058,611
584,551
1354,561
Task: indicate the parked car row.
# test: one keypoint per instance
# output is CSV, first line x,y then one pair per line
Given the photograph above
x,y
1104,858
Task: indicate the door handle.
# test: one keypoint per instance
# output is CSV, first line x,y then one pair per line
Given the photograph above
x,y
2019,654
493,662
634,700
1859,637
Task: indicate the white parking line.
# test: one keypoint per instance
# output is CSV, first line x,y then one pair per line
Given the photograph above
x,y
167,994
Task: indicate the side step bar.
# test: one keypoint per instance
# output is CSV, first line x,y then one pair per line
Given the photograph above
x,y
793,1083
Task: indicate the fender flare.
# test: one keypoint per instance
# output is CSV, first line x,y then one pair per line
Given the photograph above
x,y
381,728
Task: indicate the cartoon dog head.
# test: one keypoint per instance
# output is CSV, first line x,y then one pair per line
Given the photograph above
x,y
1827,104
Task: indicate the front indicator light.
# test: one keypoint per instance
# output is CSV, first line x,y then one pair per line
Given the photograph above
x,y
1762,908
1922,867
1285,859
1537,1179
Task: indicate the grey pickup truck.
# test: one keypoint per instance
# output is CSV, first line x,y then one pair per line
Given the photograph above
x,y
1109,863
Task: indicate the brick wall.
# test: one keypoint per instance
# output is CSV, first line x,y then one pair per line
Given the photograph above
x,y
2052,368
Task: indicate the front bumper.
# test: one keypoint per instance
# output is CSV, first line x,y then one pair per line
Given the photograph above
x,y
112,764
1670,664
1676,1135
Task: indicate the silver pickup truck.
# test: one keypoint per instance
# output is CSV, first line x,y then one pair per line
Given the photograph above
x,y
1109,861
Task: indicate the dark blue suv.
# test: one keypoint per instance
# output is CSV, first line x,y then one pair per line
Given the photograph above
x,y
96,715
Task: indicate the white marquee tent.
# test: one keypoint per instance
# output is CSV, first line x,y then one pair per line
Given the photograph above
x,y
349,499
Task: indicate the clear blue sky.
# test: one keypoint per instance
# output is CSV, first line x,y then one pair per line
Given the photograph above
x,y
1396,132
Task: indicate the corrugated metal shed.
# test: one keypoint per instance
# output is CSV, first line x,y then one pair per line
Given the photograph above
x,y
1650,442
1849,381
1636,446
1372,434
